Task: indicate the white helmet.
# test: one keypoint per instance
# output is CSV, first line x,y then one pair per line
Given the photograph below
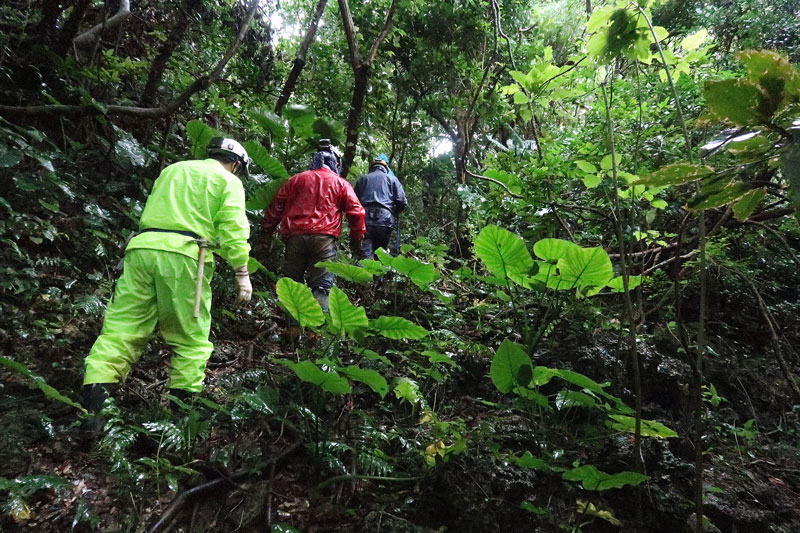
x,y
230,148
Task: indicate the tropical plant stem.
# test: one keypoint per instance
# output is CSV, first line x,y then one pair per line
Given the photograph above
x,y
701,334
628,306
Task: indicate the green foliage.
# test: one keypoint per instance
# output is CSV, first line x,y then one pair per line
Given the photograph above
x,y
345,271
38,381
200,135
345,317
261,157
511,367
593,479
396,327
297,300
503,253
325,378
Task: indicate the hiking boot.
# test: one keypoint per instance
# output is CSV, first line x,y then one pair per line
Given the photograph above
x,y
91,428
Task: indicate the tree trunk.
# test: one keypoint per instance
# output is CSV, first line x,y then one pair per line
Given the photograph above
x,y
360,85
300,57
45,30
71,27
361,76
164,53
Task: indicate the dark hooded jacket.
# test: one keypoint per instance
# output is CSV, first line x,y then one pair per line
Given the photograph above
x,y
382,196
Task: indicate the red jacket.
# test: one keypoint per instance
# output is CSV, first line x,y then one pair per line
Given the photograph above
x,y
311,203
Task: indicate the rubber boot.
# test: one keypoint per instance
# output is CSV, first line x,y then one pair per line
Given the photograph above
x,y
94,396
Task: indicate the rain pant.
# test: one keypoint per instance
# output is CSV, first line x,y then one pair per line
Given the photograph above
x,y
159,276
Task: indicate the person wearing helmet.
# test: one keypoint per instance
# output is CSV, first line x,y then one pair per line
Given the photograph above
x,y
383,198
309,209
194,205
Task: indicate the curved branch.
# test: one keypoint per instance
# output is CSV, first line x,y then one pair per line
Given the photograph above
x,y
497,182
87,39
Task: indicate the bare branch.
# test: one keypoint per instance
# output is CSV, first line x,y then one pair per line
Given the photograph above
x,y
382,35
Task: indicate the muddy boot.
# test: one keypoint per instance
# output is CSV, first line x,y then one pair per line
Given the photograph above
x,y
92,427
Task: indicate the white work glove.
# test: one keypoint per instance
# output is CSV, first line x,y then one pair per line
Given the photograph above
x,y
244,286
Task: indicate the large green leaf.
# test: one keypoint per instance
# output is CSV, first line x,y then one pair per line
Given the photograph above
x,y
369,377
408,389
326,128
736,101
746,205
675,174
297,300
395,327
344,316
376,268
777,77
261,157
345,271
511,367
551,250
593,479
716,197
422,274
617,284
328,380
503,253
509,180
649,428
585,267
385,257
39,381
301,119
270,122
199,135
263,196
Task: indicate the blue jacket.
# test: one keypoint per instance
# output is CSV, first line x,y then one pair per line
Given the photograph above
x,y
382,196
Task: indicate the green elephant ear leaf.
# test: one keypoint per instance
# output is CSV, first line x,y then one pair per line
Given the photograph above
x,y
368,377
345,271
593,479
261,157
200,134
511,367
422,274
328,380
395,327
270,122
503,253
297,300
585,267
551,250
344,316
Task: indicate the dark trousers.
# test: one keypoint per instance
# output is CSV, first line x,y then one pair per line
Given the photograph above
x,y
302,253
376,237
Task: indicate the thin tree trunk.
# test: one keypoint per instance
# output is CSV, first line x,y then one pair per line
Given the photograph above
x,y
46,28
164,53
300,57
71,27
361,77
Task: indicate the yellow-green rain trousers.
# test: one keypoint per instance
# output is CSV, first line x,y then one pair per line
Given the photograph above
x,y
157,286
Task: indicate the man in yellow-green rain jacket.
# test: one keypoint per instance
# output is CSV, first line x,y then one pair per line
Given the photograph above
x,y
191,201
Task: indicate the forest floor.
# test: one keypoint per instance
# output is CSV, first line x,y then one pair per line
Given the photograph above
x,y
751,475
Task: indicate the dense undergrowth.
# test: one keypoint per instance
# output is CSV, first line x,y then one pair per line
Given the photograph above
x,y
559,335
